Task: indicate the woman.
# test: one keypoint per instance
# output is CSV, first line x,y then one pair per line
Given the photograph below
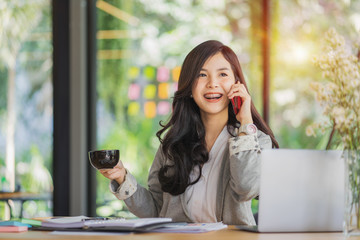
x,y
207,167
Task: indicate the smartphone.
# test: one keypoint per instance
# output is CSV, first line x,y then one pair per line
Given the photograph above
x,y
236,103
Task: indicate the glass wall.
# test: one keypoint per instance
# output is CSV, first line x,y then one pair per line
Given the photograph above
x,y
141,46
26,110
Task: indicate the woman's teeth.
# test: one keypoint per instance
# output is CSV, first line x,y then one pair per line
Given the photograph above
x,y
213,96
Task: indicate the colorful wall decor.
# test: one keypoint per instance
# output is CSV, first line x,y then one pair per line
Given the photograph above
x,y
176,73
163,108
133,109
150,109
163,91
151,90
134,91
163,74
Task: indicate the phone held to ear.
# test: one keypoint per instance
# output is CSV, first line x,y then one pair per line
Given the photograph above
x,y
236,103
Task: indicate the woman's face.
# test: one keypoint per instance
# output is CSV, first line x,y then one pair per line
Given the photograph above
x,y
210,90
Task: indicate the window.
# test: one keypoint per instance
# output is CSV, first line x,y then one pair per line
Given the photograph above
x,y
141,46
26,117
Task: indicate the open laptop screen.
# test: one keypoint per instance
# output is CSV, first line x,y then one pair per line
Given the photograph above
x,y
301,190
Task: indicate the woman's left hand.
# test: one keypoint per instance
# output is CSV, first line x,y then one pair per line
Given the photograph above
x,y
244,115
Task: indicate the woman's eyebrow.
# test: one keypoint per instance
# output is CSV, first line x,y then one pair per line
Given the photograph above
x,y
219,69
224,68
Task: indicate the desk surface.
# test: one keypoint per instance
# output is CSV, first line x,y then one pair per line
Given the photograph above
x,y
227,234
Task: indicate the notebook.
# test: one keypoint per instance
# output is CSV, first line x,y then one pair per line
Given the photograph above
x,y
300,191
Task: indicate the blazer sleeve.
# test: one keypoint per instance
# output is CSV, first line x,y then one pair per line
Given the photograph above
x,y
147,202
245,160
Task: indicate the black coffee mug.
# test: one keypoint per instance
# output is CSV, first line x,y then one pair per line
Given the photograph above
x,y
104,159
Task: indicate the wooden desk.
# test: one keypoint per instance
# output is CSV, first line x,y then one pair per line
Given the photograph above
x,y
227,234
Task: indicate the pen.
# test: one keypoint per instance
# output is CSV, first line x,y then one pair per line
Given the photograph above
x,y
96,218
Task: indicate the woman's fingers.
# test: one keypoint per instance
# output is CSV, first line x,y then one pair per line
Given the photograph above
x,y
237,89
244,114
113,173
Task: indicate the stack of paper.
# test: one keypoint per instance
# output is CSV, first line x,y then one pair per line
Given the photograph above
x,y
13,226
190,227
31,222
65,222
125,223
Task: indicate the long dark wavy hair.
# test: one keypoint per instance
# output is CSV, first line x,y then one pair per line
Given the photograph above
x,y
184,142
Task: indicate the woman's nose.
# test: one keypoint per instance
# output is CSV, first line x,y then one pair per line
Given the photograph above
x,y
212,83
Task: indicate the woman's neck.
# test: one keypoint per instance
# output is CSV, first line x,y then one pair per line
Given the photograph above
x,y
213,124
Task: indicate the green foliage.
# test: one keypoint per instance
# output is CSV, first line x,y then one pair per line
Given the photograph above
x,y
35,177
2,206
17,19
255,206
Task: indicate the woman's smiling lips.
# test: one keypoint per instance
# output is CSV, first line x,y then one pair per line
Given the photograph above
x,y
213,96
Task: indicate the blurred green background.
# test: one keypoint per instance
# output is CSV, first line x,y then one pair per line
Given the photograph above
x,y
136,38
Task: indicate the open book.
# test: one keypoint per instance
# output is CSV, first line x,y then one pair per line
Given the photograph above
x,y
101,224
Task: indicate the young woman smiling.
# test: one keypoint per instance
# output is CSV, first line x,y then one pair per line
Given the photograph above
x,y
208,164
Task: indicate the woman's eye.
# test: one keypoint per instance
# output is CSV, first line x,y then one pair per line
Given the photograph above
x,y
223,74
202,75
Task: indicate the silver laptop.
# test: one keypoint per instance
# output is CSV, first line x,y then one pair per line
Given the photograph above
x,y
301,191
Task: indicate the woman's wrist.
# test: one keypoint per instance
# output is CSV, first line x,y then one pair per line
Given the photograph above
x,y
121,179
246,121
247,128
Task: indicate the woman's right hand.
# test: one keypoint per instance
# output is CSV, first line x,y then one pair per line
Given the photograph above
x,y
117,173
